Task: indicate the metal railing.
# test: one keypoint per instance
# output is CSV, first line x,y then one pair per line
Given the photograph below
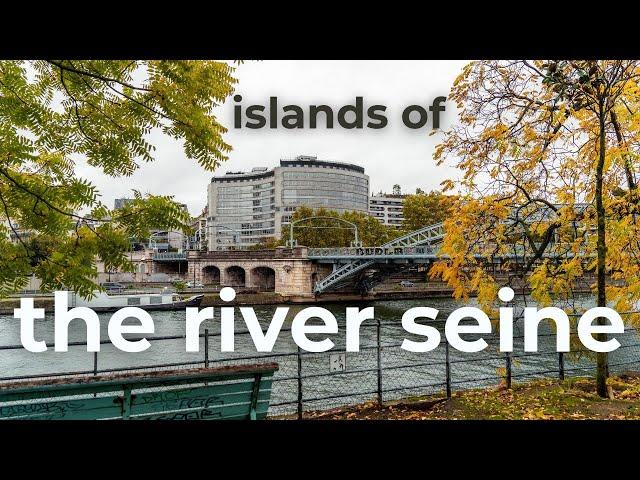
x,y
426,235
380,371
169,257
425,251
431,252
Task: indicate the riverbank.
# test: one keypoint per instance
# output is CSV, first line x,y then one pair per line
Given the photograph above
x,y
385,292
571,399
270,298
212,299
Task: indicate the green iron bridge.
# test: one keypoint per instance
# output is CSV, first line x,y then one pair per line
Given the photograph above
x,y
418,247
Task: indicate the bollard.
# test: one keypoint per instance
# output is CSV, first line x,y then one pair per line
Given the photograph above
x,y
379,352
299,384
206,348
447,368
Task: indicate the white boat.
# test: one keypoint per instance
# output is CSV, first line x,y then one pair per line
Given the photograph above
x,y
102,302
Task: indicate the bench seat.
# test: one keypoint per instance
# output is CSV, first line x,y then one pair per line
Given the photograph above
x,y
230,392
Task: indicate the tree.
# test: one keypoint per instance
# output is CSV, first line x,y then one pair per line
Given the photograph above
x,y
53,112
548,152
423,209
268,244
397,190
329,232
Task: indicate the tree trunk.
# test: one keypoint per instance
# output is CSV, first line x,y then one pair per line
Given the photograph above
x,y
628,167
602,357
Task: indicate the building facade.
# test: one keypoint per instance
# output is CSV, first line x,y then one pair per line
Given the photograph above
x,y
246,208
387,209
198,239
159,240
119,203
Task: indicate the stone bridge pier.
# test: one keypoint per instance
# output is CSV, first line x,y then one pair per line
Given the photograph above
x,y
283,270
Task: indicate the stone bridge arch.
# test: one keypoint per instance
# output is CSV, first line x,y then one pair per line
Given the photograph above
x,y
284,271
235,276
211,275
263,279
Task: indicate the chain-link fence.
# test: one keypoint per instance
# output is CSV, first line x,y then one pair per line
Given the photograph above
x,y
380,371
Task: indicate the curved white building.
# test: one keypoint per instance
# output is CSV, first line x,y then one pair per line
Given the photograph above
x,y
248,207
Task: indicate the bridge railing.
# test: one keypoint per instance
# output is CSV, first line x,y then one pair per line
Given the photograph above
x,y
169,256
426,236
370,251
516,251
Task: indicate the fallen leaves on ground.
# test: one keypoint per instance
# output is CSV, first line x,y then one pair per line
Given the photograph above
x,y
573,399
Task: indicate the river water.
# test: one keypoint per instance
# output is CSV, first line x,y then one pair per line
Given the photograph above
x,y
403,373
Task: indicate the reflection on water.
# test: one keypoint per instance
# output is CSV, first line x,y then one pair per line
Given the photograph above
x,y
404,373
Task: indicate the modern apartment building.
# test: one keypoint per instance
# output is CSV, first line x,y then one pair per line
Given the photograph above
x,y
387,209
246,208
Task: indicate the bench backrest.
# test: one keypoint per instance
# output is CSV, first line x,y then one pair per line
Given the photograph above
x,y
236,392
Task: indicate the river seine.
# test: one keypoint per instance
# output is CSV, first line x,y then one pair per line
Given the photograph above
x,y
330,378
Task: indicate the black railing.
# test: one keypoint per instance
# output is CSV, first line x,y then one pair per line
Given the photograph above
x,y
380,371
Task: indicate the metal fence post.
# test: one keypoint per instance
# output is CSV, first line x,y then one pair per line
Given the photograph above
x,y
561,365
447,368
379,353
508,369
206,348
95,368
299,384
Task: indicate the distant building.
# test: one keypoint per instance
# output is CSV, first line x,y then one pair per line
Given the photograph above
x,y
14,232
246,208
159,240
198,239
121,202
387,209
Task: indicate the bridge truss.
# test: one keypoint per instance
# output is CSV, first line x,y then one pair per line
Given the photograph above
x,y
427,236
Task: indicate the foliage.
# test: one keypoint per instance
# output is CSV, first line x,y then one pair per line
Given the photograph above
x,y
179,285
424,209
329,232
269,244
528,155
548,152
572,399
54,112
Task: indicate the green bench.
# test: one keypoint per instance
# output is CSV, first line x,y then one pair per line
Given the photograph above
x,y
232,392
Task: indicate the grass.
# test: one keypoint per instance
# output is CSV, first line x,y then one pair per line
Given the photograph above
x,y
572,399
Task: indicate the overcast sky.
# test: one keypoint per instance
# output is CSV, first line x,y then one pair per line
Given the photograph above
x,y
392,155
